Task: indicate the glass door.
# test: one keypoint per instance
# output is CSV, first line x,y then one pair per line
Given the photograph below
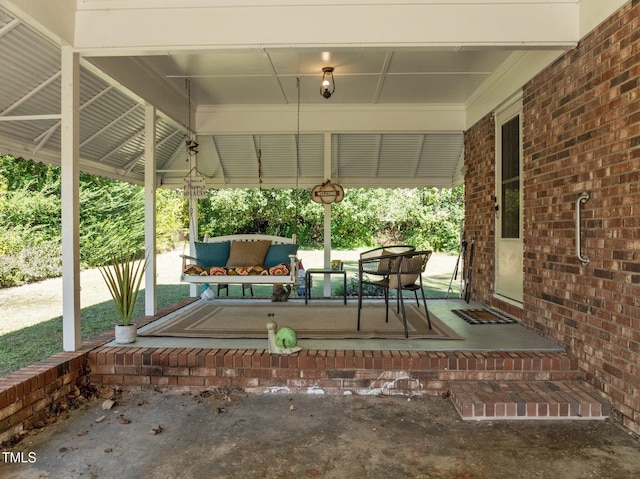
x,y
508,197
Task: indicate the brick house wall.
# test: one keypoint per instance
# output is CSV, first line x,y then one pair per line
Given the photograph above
x,y
479,226
581,132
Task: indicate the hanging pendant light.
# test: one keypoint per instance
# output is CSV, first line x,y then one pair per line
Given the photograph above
x,y
328,83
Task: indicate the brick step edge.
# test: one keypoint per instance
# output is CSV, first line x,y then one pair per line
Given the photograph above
x,y
492,400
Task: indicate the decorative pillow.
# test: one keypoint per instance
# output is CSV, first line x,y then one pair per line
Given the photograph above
x,y
386,264
193,269
217,271
242,271
279,253
279,270
414,265
212,254
247,253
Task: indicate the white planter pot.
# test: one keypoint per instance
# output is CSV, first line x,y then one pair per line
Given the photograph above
x,y
126,334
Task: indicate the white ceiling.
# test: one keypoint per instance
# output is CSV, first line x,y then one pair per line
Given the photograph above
x,y
396,118
375,75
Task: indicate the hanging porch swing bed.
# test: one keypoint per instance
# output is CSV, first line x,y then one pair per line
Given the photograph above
x,y
240,259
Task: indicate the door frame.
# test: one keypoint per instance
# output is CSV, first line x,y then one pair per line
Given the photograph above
x,y
510,247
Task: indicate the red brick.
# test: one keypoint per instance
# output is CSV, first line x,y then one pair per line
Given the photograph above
x,y
191,381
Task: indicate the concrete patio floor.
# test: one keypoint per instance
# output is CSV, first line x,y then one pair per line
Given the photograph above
x,y
225,434
498,337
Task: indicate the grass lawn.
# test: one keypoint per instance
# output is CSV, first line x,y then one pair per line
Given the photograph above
x,y
31,315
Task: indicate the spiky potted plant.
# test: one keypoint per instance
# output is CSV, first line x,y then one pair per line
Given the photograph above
x,y
123,277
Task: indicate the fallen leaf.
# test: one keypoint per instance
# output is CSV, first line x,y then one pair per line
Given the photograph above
x,y
101,419
156,430
107,392
123,420
108,404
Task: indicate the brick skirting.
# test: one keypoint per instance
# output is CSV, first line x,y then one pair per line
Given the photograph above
x,y
31,394
28,395
331,372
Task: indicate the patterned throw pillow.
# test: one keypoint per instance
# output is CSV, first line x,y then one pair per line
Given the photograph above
x,y
279,270
194,269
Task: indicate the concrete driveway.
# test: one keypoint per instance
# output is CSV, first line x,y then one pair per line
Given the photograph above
x,y
225,434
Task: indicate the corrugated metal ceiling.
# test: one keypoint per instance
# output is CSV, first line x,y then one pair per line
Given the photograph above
x,y
112,134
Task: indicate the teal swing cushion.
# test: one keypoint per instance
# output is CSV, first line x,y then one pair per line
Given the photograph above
x,y
279,254
212,254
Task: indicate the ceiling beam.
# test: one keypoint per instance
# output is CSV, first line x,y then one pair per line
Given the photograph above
x,y
31,93
44,137
145,85
219,162
9,26
120,27
54,18
131,137
353,118
113,122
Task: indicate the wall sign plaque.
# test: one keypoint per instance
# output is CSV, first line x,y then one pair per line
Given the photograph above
x,y
327,193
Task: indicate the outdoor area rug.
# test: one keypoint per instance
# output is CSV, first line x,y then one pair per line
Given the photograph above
x,y
318,320
483,316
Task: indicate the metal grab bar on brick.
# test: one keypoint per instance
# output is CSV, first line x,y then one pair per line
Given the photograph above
x,y
584,196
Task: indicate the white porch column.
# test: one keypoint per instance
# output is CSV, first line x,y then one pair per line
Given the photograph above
x,y
327,216
70,178
150,294
193,237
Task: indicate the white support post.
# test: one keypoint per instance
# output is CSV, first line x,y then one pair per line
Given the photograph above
x,y
193,237
327,217
70,184
150,290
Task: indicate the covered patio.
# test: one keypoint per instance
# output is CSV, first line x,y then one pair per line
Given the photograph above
x,y
423,104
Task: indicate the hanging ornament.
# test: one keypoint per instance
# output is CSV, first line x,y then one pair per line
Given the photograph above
x,y
327,193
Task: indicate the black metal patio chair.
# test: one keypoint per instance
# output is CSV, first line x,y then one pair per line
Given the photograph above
x,y
408,277
375,266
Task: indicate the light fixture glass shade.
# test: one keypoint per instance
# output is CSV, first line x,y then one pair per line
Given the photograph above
x,y
328,83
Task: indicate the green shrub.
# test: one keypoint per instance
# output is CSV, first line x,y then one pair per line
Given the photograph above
x,y
112,217
32,263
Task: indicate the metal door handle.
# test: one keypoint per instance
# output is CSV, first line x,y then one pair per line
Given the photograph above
x,y
584,196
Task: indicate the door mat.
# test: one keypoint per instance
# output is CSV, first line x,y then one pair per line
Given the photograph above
x,y
483,316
